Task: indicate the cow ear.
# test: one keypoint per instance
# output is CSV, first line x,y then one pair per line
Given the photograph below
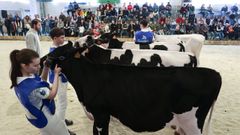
x,y
70,42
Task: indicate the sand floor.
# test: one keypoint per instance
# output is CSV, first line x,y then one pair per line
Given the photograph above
x,y
226,116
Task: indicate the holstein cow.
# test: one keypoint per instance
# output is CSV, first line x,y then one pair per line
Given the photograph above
x,y
150,58
177,38
194,42
142,98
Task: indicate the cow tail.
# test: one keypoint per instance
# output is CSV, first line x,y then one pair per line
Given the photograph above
x,y
182,48
207,130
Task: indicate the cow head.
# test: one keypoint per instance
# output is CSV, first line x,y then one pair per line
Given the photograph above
x,y
87,40
104,38
61,54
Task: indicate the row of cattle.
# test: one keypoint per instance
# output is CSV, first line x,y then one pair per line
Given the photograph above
x,y
181,49
134,86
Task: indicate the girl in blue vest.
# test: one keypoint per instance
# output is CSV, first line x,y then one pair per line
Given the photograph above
x,y
34,92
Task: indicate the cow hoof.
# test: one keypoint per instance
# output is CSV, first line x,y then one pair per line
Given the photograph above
x,y
176,133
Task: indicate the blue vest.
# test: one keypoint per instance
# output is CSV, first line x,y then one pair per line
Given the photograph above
x,y
143,37
24,89
51,72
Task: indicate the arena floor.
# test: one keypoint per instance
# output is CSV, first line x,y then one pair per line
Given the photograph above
x,y
225,121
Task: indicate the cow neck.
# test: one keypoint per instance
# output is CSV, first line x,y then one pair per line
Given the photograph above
x,y
80,72
74,72
98,55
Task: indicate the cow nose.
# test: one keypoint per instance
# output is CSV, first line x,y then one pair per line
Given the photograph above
x,y
48,62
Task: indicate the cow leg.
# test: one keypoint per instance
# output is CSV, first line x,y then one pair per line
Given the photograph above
x,y
101,124
188,123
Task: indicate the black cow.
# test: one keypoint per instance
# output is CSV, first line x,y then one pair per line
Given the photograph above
x,y
142,98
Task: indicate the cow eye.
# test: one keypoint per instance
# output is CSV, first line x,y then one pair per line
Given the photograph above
x,y
61,58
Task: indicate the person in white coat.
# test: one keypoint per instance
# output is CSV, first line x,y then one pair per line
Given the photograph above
x,y
32,38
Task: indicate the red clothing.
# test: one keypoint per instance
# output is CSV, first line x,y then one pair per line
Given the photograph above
x,y
179,20
162,20
129,7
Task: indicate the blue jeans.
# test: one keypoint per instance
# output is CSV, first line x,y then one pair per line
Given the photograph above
x,y
220,35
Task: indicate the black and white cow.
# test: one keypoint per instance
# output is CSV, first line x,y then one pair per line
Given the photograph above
x,y
177,38
150,58
193,42
142,98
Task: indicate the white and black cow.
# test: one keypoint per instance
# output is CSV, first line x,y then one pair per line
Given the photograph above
x,y
141,57
142,98
193,42
177,38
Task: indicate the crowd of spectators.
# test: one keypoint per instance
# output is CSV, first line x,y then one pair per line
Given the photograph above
x,y
124,20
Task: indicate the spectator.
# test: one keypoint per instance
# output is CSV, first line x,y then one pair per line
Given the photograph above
x,y
203,29
180,20
219,31
210,9
162,20
136,6
51,23
60,24
224,10
203,10
70,9
8,24
119,28
47,22
113,27
131,30
106,28
81,30
212,31
155,7
130,7
191,9
136,27
236,29
19,27
32,38
183,10
16,17
62,16
161,9
178,29
75,6
234,9
1,27
168,9
124,29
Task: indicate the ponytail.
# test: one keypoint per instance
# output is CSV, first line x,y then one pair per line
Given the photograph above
x,y
18,57
15,67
